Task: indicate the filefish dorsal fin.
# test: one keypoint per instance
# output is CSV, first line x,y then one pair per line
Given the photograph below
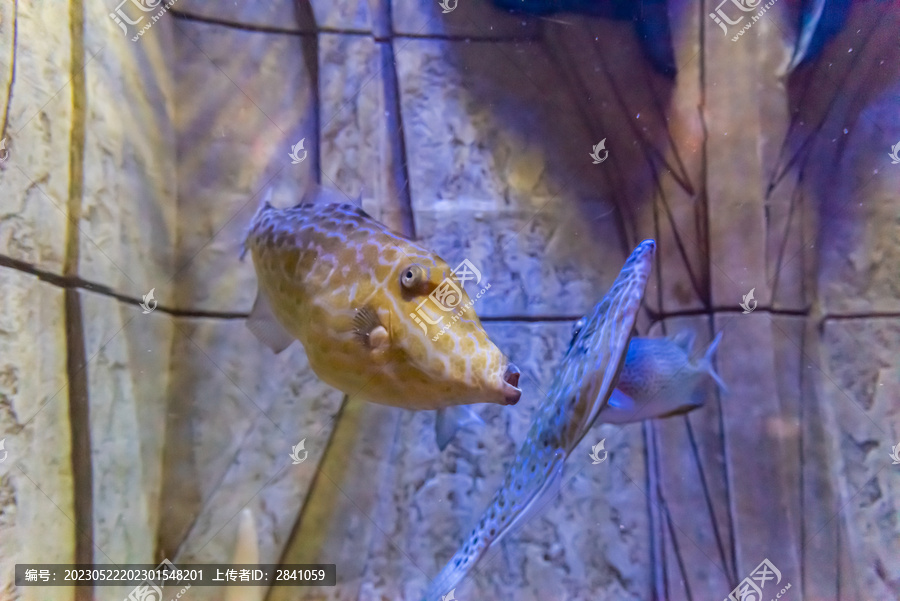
x,y
265,203
265,327
317,194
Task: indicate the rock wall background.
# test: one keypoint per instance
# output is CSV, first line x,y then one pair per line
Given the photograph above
x,y
137,165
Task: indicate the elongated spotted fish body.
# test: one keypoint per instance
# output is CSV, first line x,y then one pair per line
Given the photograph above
x,y
583,384
367,304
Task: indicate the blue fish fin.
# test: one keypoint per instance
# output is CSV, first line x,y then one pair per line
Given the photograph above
x,y
706,362
622,409
809,21
820,21
265,326
449,420
685,339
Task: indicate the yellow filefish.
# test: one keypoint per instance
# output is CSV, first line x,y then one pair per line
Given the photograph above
x,y
381,318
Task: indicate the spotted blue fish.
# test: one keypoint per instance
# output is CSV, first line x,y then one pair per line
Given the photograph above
x,y
580,390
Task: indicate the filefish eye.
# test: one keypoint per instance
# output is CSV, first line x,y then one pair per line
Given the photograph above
x,y
413,276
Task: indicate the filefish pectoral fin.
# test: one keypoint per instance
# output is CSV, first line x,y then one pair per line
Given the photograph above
x,y
265,326
370,332
449,420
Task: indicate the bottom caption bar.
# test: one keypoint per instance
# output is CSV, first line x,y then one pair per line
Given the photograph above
x,y
167,573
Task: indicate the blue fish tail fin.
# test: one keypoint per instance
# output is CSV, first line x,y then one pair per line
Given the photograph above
x,y
264,204
706,362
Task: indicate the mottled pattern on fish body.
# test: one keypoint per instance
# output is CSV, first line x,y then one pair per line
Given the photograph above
x,y
659,379
320,265
655,365
580,389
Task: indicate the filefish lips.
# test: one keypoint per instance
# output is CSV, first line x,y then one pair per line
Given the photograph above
x,y
511,391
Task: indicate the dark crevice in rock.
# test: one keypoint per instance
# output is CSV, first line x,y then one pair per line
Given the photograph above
x,y
76,355
309,48
869,315
304,30
656,538
304,542
75,282
80,424
708,496
677,549
449,37
396,145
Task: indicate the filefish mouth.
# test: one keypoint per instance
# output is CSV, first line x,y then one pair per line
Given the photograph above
x,y
511,391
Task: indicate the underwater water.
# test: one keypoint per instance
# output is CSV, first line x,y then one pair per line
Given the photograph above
x,y
439,300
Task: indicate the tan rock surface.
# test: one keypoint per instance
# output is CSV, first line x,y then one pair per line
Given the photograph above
x,y
35,175
234,140
128,376
128,226
745,177
36,483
